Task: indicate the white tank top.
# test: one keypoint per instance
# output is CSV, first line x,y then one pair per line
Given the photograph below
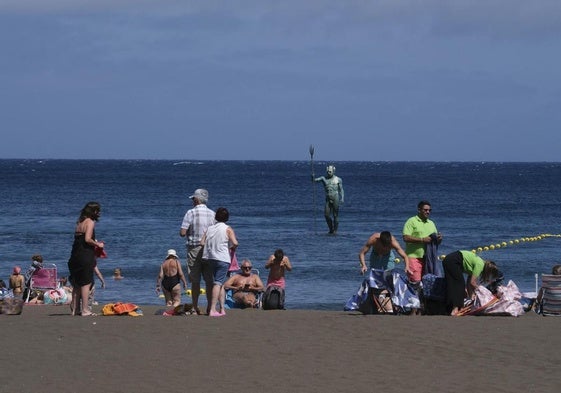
x,y
217,243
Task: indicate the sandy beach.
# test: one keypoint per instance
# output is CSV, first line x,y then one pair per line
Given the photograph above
x,y
47,350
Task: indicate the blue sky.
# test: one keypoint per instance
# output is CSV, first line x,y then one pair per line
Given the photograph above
x,y
250,80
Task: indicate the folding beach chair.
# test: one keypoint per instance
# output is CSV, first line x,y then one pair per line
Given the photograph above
x,y
379,292
231,303
551,299
40,277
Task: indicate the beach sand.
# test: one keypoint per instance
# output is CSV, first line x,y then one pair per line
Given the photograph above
x,y
47,350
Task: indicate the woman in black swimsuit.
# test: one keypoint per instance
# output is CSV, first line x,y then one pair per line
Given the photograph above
x,y
82,258
169,278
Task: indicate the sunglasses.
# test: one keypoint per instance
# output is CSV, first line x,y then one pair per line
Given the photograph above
x,y
246,267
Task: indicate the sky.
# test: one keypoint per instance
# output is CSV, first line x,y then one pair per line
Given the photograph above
x,y
390,80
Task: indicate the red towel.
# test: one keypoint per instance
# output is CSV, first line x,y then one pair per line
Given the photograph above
x,y
100,252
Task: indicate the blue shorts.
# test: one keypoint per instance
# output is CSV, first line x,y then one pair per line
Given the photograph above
x,y
220,271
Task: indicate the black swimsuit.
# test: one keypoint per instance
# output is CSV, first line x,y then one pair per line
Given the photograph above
x,y
169,282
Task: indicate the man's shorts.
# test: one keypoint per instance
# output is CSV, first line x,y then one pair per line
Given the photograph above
x,y
416,269
196,266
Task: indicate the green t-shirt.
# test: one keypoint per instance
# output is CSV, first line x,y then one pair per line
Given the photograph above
x,y
473,265
415,227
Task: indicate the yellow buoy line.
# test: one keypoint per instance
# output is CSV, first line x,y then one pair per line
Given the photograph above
x,y
513,242
188,292
504,244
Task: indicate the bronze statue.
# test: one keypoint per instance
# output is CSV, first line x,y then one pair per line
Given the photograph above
x,y
334,194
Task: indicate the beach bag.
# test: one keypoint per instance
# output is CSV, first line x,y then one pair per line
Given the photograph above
x,y
11,306
273,299
55,296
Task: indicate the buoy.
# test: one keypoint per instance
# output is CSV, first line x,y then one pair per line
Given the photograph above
x,y
397,260
188,292
515,241
203,291
161,295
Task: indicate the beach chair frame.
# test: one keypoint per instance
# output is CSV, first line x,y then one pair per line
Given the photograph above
x,y
551,299
380,293
42,277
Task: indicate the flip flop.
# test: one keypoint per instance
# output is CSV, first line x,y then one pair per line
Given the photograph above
x,y
92,314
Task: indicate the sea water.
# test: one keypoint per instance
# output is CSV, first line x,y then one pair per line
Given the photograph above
x,y
274,204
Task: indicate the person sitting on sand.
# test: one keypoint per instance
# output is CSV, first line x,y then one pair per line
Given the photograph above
x,y
246,286
117,274
36,297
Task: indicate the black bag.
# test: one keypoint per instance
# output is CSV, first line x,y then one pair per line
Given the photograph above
x,y
273,299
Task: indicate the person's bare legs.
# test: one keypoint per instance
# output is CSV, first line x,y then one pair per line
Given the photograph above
x,y
75,304
167,297
209,284
195,290
84,294
215,296
222,300
175,295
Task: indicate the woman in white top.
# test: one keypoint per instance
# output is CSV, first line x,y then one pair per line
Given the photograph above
x,y
218,240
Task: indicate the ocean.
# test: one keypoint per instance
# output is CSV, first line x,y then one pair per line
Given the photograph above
x,y
274,204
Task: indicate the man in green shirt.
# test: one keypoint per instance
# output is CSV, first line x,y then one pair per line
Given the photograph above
x,y
417,233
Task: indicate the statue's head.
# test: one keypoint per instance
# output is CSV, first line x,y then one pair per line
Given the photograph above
x,y
330,170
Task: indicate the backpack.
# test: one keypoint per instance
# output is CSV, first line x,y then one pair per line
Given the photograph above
x,y
273,299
